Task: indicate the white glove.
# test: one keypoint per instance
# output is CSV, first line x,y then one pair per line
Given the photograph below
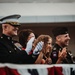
x,y
29,45
38,48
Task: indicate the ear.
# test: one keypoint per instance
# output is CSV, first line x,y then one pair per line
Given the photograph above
x,y
4,26
58,38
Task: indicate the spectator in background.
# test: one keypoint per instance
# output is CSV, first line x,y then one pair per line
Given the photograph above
x,y
45,42
24,36
59,52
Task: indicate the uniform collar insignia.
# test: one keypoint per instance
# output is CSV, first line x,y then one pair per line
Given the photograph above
x,y
7,37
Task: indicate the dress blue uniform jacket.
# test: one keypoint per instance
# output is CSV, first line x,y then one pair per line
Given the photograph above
x,y
9,53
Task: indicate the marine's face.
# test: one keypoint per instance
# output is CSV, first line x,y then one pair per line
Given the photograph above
x,y
11,30
64,39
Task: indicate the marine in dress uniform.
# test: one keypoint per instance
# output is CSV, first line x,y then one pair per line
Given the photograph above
x,y
56,47
9,53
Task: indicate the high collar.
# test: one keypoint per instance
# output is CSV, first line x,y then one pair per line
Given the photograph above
x,y
57,46
6,37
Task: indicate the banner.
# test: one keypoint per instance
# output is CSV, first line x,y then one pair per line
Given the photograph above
x,y
14,69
